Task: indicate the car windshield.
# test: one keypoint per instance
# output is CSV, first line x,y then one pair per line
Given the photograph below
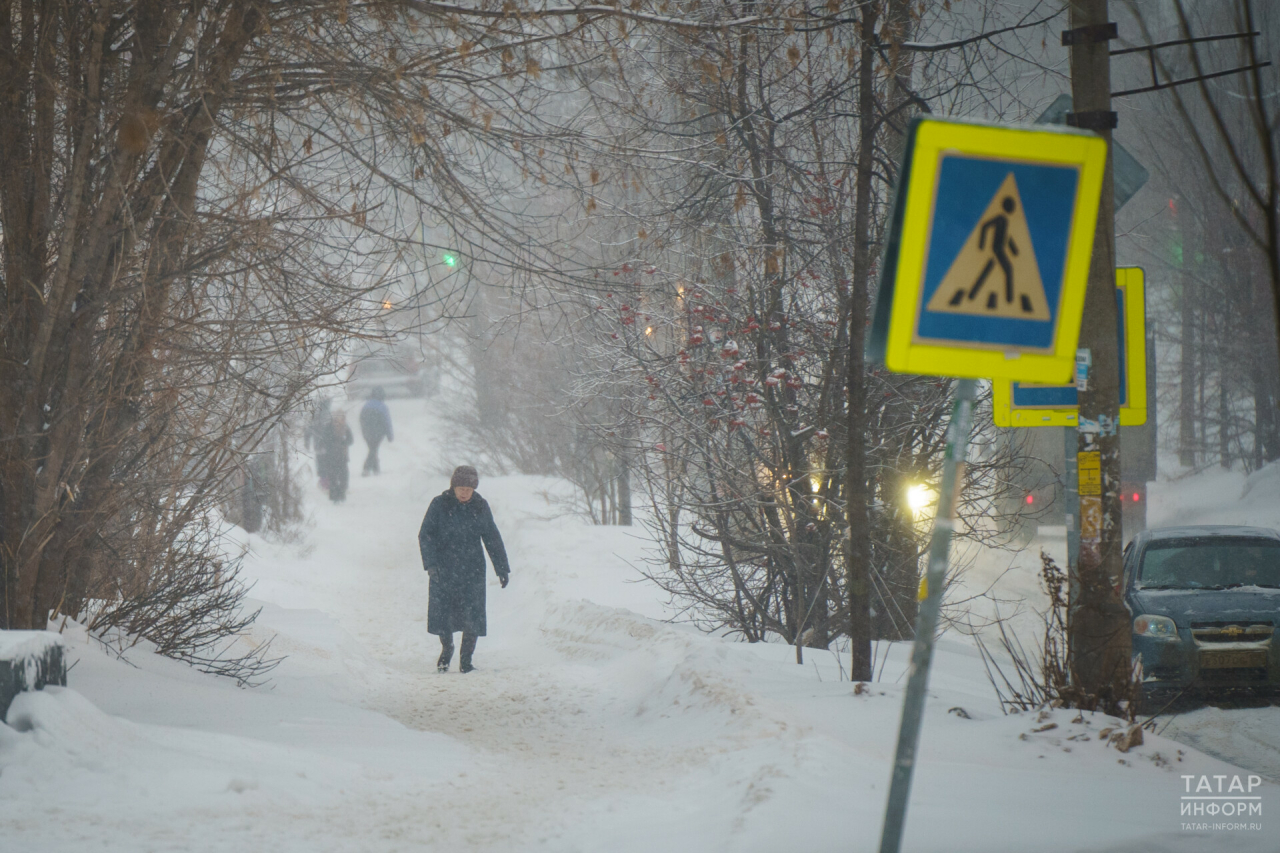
x,y
1210,563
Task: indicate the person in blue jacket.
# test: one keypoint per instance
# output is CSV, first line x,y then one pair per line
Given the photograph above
x,y
375,425
457,523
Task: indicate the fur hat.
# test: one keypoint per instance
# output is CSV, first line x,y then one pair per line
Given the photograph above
x,y
464,476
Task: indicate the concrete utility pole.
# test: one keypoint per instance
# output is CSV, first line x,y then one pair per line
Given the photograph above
x,y
1100,634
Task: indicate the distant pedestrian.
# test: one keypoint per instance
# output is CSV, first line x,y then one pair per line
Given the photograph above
x,y
456,524
375,425
319,435
334,459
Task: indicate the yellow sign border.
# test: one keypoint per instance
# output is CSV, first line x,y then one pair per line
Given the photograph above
x,y
1132,283
934,138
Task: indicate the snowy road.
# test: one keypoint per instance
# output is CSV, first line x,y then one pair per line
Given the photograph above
x,y
590,725
1248,737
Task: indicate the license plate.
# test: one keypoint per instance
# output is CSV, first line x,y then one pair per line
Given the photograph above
x,y
1233,659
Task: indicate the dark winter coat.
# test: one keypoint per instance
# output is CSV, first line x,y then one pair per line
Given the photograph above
x,y
332,442
375,422
450,540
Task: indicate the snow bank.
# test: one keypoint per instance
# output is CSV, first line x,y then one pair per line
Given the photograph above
x,y
29,660
1268,477
18,645
193,763
1215,496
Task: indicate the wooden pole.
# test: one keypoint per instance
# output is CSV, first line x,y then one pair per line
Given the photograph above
x,y
1099,640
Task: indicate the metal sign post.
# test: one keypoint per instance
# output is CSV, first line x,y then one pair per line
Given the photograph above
x,y
927,619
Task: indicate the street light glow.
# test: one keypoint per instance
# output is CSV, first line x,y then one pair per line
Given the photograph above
x,y
919,497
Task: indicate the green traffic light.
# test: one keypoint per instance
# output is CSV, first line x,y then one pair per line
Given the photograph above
x,y
450,260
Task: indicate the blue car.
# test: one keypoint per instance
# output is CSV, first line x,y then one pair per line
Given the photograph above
x,y
1205,601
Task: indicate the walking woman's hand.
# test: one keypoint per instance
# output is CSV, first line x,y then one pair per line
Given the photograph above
x,y
503,580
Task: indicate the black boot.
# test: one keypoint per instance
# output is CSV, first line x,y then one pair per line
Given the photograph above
x,y
468,648
446,654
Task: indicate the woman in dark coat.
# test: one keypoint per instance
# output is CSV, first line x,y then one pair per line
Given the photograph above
x,y
456,524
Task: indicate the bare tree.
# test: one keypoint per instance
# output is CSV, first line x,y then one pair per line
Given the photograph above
x,y
199,203
1213,159
731,296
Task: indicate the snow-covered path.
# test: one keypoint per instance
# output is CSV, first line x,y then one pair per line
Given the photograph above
x,y
590,725
559,712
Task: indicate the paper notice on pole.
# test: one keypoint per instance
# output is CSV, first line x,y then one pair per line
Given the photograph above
x,y
1090,529
1089,470
1089,464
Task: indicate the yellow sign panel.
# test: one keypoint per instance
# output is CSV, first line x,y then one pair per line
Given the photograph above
x,y
1027,404
988,252
995,274
1089,466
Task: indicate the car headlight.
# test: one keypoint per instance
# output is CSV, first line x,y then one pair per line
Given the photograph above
x,y
1155,626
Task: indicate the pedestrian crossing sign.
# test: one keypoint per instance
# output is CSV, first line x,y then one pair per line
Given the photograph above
x,y
988,251
1027,404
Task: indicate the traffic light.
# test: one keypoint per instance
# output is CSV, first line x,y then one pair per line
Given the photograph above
x,y
450,259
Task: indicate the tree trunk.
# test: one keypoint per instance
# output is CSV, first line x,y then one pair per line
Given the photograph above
x,y
1187,382
1262,379
489,408
858,554
622,459
1266,434
1224,416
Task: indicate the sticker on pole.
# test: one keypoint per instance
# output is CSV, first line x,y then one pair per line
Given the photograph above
x,y
988,253
1028,404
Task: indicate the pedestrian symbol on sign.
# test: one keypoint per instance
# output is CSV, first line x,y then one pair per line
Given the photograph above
x,y
988,252
995,273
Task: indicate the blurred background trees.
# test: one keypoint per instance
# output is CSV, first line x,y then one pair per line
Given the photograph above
x,y
731,183
640,240
1208,228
